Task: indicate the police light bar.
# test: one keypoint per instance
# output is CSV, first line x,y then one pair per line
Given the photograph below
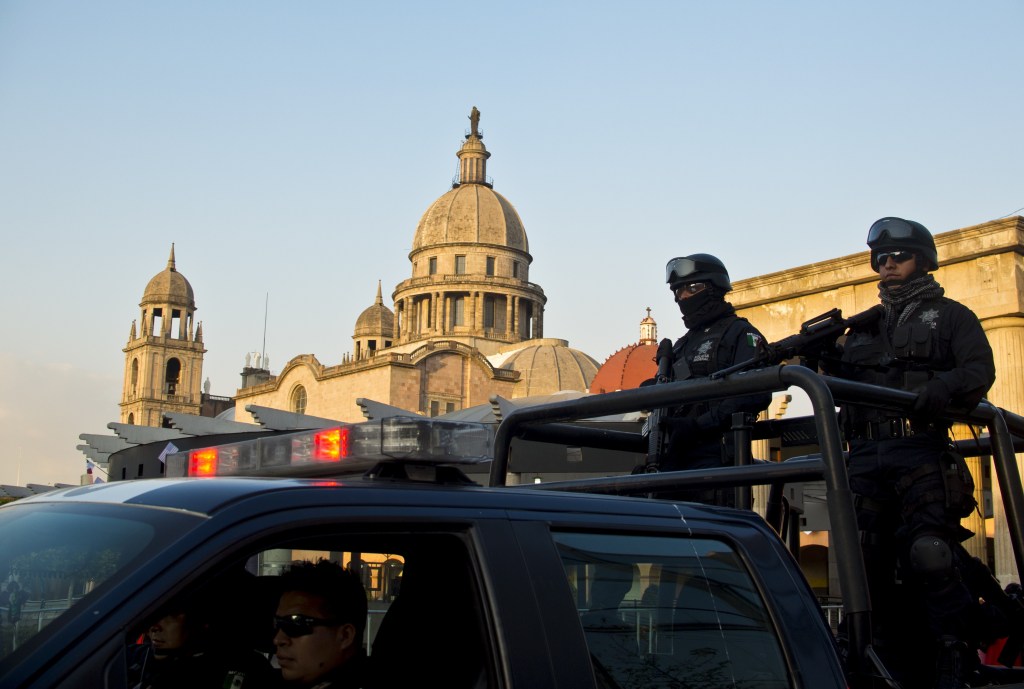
x,y
347,449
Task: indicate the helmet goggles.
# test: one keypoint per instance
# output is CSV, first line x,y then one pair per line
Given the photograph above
x,y
680,269
891,228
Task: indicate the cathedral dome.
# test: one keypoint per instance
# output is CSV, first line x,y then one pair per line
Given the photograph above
x,y
169,287
471,214
547,366
632,365
626,368
376,319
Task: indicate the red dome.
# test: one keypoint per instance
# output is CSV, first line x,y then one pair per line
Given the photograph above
x,y
626,368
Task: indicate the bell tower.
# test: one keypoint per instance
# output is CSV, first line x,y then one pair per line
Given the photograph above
x,y
163,363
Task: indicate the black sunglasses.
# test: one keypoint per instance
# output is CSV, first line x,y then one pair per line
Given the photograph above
x,y
898,256
690,288
300,625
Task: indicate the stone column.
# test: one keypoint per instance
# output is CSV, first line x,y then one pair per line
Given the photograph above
x,y
1006,335
540,319
508,315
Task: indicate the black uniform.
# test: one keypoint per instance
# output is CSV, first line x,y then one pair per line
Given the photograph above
x,y
698,439
911,489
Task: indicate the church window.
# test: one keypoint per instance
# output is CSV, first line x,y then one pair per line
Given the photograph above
x,y
458,311
371,345
175,323
433,265
515,269
449,407
460,265
494,312
135,377
435,407
490,265
172,377
158,318
298,402
131,419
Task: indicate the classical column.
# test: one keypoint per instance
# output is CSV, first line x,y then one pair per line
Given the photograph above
x,y
539,315
1006,335
508,316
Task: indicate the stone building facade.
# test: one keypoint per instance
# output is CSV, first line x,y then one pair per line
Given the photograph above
x,y
466,325
163,363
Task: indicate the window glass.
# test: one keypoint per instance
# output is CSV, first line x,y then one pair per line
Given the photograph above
x,y
490,265
670,612
432,265
299,399
422,610
53,558
458,311
460,265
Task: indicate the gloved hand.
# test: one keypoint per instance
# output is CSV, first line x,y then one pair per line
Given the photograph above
x,y
932,398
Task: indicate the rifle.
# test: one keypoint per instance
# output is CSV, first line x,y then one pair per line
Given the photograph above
x,y
656,435
814,334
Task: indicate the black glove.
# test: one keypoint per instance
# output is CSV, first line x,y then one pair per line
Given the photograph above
x,y
932,398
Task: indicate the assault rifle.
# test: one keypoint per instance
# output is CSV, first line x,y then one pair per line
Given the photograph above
x,y
656,435
813,337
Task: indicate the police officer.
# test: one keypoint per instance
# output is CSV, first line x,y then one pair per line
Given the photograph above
x,y
716,338
911,488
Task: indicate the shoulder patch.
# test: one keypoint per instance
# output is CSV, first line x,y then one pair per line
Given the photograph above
x,y
753,340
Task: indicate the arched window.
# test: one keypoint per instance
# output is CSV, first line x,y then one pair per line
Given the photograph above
x,y
131,419
298,404
135,377
172,377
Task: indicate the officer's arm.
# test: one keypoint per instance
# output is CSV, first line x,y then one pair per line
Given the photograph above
x,y
974,370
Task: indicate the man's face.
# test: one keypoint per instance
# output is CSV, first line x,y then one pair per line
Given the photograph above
x,y
896,265
689,289
308,657
168,633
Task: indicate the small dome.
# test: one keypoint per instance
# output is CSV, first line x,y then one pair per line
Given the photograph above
x,y
169,287
548,366
376,319
626,368
471,214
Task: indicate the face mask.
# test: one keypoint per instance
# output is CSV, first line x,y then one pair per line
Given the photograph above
x,y
699,308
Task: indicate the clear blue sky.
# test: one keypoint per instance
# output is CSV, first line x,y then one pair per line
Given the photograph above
x,y
290,148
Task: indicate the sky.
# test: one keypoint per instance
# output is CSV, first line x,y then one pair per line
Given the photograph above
x,y
288,150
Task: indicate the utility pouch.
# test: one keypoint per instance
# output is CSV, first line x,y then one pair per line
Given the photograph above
x,y
959,484
913,341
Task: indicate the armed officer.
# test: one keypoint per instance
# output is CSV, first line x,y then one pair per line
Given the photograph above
x,y
716,338
911,488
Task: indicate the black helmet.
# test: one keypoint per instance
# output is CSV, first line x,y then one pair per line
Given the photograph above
x,y
697,268
897,233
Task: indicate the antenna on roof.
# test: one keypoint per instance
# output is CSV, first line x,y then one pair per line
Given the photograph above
x,y
266,306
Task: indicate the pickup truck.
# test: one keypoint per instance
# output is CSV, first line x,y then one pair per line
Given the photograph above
x,y
569,584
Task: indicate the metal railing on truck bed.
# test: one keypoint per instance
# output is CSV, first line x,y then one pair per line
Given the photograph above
x,y
547,422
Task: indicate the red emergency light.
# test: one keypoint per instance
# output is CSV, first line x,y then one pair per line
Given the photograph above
x,y
331,444
203,462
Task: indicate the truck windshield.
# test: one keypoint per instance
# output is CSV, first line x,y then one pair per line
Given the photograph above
x,y
53,557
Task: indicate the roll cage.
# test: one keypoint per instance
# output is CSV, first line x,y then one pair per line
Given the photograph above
x,y
550,423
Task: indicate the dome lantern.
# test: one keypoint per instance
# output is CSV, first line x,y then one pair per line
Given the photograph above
x,y
473,155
